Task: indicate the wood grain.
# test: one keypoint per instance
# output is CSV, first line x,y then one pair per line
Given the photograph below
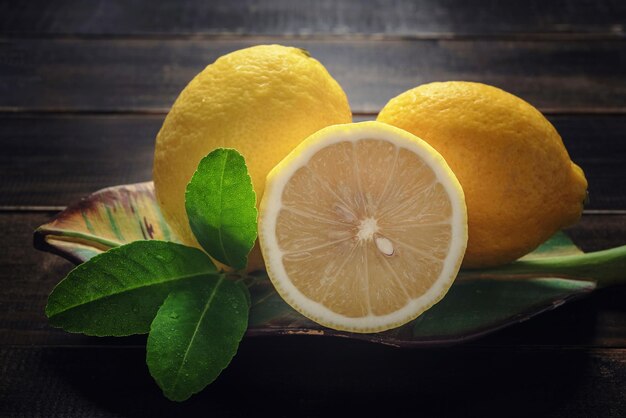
x,y
404,18
58,159
121,75
52,160
28,276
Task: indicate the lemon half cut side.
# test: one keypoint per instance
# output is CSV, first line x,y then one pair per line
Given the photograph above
x,y
362,227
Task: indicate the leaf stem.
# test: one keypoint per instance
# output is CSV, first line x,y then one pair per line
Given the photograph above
x,y
607,267
63,234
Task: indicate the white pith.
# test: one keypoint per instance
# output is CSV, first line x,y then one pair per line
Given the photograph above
x,y
368,228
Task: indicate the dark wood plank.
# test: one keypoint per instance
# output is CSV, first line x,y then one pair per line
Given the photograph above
x,y
53,160
598,232
120,75
27,277
303,18
308,377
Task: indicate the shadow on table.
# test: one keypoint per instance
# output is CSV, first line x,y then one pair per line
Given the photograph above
x,y
300,376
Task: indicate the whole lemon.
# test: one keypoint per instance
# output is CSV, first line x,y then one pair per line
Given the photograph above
x,y
261,101
519,182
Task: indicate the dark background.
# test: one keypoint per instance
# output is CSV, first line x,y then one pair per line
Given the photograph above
x,y
84,87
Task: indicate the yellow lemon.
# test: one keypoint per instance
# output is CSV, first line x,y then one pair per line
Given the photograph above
x,y
363,227
262,101
519,182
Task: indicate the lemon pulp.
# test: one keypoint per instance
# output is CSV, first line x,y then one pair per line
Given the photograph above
x,y
362,227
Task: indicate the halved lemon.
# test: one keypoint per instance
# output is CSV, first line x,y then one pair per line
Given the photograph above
x,y
362,227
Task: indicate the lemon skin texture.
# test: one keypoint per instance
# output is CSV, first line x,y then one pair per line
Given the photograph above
x,y
262,101
519,182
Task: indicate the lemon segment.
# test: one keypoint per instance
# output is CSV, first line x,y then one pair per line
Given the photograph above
x,y
362,227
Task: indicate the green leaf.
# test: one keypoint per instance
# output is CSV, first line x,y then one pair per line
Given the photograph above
x,y
473,307
221,206
118,292
195,335
557,245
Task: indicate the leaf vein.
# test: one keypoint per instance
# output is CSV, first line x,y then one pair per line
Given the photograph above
x,y
221,213
195,332
128,289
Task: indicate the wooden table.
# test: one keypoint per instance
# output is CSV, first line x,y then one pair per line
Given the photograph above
x,y
84,87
